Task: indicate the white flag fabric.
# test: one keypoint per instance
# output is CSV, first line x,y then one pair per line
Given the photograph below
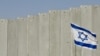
x,y
83,37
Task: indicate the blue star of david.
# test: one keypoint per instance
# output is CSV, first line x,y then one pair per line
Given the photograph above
x,y
84,37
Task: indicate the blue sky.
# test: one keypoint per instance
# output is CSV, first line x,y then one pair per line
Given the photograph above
x,y
22,8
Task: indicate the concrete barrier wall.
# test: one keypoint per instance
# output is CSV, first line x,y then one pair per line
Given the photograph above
x,y
55,33
12,39
96,27
44,34
33,35
3,37
65,39
22,37
48,34
86,21
75,17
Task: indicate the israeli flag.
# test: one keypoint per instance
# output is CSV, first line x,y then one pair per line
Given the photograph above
x,y
84,37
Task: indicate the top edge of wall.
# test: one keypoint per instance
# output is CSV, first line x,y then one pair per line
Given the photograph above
x,y
32,16
52,11
20,17
74,8
42,13
3,20
89,6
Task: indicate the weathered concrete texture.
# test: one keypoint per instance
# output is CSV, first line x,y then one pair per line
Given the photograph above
x,y
86,21
75,17
22,37
96,27
33,35
3,37
12,40
71,16
44,34
55,33
65,34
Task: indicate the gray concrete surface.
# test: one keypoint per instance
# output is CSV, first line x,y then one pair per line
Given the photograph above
x,y
86,21
65,34
33,35
44,34
96,27
12,40
22,37
55,33
75,17
3,37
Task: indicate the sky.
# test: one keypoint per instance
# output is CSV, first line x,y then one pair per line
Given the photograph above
x,y
11,9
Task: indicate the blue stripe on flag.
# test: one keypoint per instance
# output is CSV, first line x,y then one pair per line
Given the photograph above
x,y
83,29
85,44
